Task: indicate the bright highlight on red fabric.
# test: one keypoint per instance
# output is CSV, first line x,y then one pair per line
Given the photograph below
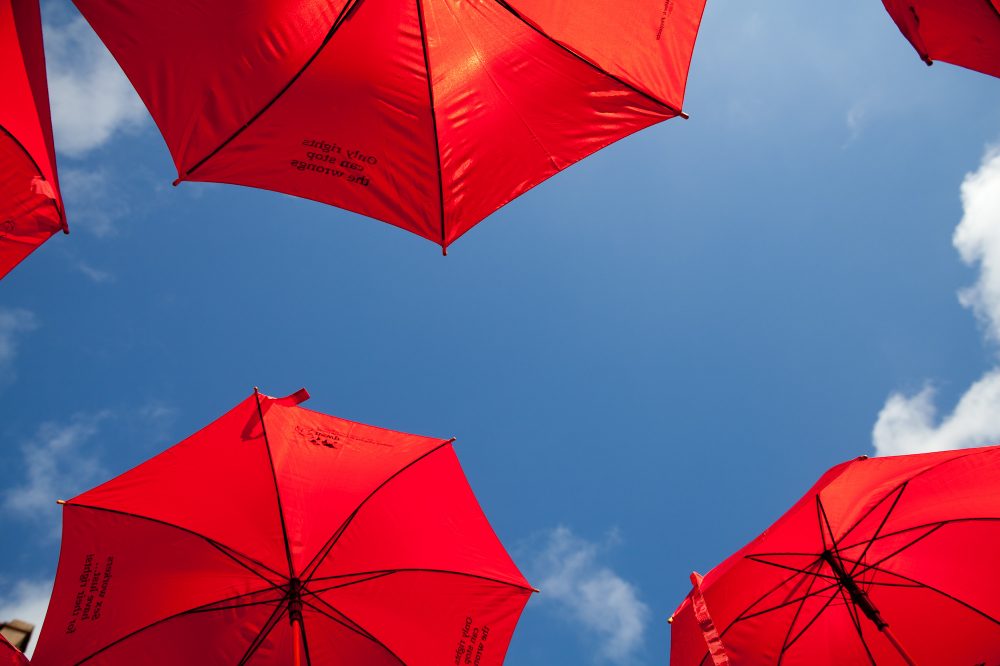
x,y
962,32
884,561
368,542
426,114
30,203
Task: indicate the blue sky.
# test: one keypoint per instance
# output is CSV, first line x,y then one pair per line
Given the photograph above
x,y
644,359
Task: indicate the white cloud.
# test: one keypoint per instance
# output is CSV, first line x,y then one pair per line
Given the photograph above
x,y
27,600
13,324
91,98
58,462
910,424
95,275
591,595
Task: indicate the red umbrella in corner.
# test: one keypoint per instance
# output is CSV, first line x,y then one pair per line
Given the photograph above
x,y
426,114
278,535
31,208
884,561
962,32
10,655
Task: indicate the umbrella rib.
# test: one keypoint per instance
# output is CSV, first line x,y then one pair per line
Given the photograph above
x,y
990,4
328,546
756,601
856,621
197,609
809,624
940,523
265,631
787,602
868,512
885,519
938,591
755,558
358,629
277,491
215,544
305,640
62,214
620,81
379,573
339,21
434,130
798,611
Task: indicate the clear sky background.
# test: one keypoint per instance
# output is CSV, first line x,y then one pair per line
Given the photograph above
x,y
645,359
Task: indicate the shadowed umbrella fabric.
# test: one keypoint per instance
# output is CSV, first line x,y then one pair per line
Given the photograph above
x,y
10,655
427,114
369,540
882,558
30,204
962,32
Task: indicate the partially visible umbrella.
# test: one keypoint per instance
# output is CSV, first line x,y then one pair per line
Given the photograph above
x,y
10,655
30,204
962,32
884,561
426,114
278,535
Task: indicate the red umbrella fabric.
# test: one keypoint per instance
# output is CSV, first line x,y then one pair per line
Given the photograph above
x,y
426,114
10,655
278,535
30,204
884,561
962,32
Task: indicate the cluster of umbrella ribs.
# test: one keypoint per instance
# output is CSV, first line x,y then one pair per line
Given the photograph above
x,y
328,541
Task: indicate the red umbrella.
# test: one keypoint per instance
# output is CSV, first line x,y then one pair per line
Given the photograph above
x,y
426,114
884,561
30,205
962,32
10,655
279,535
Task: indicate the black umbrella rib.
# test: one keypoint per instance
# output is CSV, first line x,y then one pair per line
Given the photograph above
x,y
788,645
856,621
339,21
226,550
996,12
265,631
756,558
385,572
277,491
62,215
361,631
437,141
328,546
589,63
795,618
868,545
197,609
930,588
939,523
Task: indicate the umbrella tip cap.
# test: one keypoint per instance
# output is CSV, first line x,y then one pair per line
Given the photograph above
x,y
60,502
670,620
684,115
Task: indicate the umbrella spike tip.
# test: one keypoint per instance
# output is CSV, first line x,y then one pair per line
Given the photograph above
x,y
60,502
670,620
177,181
684,115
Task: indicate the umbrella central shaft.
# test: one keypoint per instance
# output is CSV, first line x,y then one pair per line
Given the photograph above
x,y
858,596
295,600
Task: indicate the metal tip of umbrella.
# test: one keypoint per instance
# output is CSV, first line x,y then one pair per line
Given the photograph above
x,y
60,502
684,115
670,620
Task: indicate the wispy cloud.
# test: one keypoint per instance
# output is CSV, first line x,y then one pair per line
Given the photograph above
x,y
910,423
591,595
95,275
14,323
58,462
91,98
95,207
26,600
